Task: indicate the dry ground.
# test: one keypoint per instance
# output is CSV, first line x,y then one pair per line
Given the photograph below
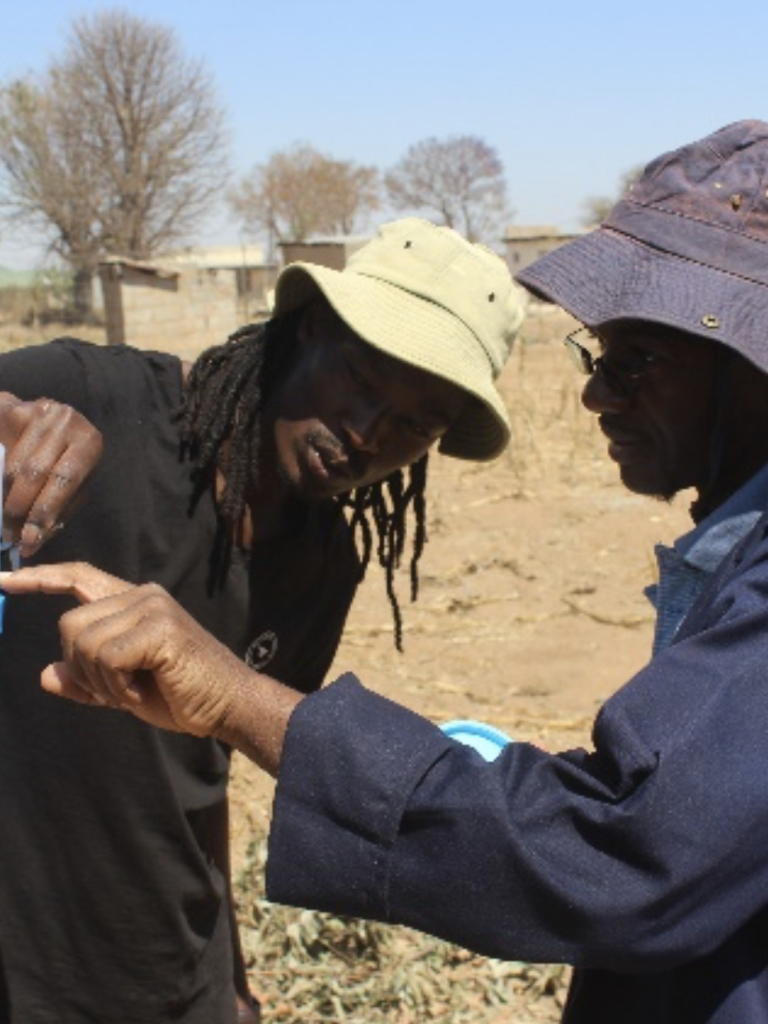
x,y
530,614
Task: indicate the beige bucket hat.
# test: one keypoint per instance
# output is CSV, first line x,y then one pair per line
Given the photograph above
x,y
425,295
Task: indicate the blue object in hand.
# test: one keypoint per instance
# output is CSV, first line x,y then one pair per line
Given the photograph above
x,y
2,497
486,739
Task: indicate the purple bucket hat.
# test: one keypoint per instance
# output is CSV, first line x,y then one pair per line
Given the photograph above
x,y
687,246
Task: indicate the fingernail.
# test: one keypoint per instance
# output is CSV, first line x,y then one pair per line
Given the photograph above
x,y
31,535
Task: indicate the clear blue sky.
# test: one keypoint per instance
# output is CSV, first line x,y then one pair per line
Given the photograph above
x,y
571,93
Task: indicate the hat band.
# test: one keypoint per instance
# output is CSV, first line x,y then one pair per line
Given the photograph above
x,y
724,248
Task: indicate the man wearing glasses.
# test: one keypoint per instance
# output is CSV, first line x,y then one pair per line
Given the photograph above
x,y
644,861
681,394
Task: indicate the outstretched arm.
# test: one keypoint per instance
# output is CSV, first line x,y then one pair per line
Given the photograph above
x,y
136,649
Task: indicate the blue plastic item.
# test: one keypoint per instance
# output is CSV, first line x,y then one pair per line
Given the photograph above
x,y
486,739
2,470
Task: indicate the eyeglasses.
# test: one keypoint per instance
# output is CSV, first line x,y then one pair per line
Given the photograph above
x,y
623,376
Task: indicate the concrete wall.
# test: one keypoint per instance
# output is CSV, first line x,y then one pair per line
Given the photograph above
x,y
182,310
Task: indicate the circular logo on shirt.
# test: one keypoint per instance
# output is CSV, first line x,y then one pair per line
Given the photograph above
x,y
262,650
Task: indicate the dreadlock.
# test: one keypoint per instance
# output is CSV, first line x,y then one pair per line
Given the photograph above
x,y
224,398
387,502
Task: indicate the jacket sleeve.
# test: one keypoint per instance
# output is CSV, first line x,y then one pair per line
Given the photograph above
x,y
642,854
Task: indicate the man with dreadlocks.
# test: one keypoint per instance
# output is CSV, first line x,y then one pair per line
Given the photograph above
x,y
234,377
241,484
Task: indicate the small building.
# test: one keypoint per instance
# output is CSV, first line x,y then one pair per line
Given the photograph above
x,y
330,252
527,243
187,301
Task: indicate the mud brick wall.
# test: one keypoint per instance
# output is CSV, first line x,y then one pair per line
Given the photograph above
x,y
181,311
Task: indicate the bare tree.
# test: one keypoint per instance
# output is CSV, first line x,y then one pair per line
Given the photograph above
x,y
461,179
119,147
299,192
48,189
352,192
597,208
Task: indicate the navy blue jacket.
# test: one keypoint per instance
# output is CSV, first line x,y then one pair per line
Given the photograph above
x,y
643,862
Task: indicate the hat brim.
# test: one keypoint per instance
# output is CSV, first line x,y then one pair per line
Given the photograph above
x,y
415,331
606,276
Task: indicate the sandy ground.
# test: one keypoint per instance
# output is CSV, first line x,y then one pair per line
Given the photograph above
x,y
531,609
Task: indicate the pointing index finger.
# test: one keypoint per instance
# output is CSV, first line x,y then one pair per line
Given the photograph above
x,y
80,579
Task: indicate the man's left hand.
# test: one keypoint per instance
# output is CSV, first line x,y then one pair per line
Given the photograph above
x,y
50,451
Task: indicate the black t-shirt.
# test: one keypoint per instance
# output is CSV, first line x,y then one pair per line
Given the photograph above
x,y
111,909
